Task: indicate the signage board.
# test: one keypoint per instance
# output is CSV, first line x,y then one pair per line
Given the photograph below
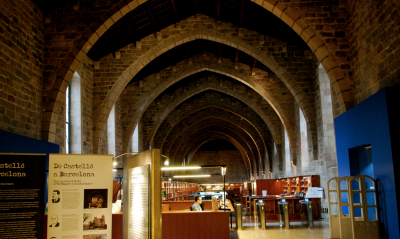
x,y
80,196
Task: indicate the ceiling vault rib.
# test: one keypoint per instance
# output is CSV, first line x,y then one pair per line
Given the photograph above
x,y
151,16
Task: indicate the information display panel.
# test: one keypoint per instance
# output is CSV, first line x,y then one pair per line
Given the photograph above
x,y
139,202
80,196
22,182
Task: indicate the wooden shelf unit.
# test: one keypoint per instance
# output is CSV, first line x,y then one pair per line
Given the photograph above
x,y
299,184
178,191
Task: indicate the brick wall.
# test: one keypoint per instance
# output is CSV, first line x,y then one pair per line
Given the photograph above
x,y
21,68
231,158
373,32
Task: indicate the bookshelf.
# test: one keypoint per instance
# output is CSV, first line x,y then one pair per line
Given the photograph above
x,y
299,184
178,191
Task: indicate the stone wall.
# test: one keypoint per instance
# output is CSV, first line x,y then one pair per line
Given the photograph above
x,y
21,68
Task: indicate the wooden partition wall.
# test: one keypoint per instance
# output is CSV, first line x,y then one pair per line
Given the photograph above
x,y
273,186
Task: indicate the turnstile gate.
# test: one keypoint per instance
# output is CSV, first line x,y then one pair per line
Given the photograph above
x,y
306,214
238,216
261,213
283,210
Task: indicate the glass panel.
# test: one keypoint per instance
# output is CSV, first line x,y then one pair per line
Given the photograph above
x,y
371,199
355,185
333,196
344,197
372,214
345,210
334,209
332,185
343,185
369,184
358,214
356,198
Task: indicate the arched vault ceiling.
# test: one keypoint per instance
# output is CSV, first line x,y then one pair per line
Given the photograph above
x,y
226,94
184,143
292,83
155,15
130,59
220,114
139,98
214,124
194,145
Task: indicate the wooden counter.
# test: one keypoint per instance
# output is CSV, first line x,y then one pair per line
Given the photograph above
x,y
181,205
195,225
182,223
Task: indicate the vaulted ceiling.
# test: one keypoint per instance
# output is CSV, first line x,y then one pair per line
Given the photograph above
x,y
239,114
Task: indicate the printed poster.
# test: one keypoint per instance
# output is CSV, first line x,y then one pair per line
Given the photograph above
x,y
80,196
22,183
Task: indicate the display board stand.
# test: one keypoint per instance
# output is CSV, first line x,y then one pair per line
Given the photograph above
x,y
80,198
22,182
142,179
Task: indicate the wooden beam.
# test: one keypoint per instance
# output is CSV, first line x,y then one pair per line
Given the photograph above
x,y
255,62
218,9
174,9
237,55
242,13
129,27
151,16
170,58
187,50
110,42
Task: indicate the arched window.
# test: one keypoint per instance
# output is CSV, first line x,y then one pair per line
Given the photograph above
x,y
67,120
288,170
135,139
111,132
304,143
75,115
73,119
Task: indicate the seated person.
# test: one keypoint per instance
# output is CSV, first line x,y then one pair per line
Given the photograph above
x,y
196,206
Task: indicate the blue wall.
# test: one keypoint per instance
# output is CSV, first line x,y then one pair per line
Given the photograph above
x,y
14,143
370,123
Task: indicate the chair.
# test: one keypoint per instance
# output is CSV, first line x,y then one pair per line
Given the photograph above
x,y
202,205
191,209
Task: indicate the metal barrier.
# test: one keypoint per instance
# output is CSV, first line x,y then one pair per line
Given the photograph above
x,y
261,213
283,210
306,214
238,216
